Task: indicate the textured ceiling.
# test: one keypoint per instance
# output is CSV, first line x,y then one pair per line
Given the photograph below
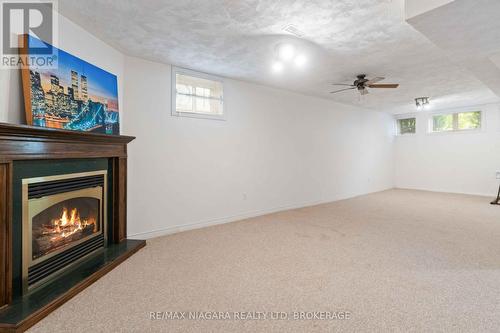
x,y
475,43
236,39
496,59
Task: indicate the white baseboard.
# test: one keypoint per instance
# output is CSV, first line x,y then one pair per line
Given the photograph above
x,y
234,218
448,191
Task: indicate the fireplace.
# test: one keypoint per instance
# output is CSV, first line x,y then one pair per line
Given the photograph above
x,y
63,217
64,221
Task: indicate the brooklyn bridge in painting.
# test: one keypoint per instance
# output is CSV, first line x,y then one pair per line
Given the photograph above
x,y
75,96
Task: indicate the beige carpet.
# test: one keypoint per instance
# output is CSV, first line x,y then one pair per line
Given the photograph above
x,y
399,261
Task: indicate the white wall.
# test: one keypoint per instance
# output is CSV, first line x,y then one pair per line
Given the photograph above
x,y
72,39
275,151
462,162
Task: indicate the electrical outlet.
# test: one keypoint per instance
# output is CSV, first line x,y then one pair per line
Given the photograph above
x,y
245,195
498,174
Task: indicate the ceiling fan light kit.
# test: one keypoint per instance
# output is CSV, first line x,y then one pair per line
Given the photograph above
x,y
362,84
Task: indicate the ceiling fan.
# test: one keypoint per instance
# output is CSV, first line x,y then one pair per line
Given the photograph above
x,y
362,83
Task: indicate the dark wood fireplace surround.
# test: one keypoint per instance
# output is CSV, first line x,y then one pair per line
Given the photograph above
x,y
21,143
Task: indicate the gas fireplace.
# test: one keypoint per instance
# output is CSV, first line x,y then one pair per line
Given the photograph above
x,y
63,217
64,221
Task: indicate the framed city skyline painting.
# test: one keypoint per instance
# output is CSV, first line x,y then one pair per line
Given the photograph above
x,y
74,95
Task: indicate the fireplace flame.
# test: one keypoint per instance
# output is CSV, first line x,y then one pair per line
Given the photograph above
x,y
70,223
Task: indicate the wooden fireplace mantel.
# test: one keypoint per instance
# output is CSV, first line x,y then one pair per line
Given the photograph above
x,y
20,142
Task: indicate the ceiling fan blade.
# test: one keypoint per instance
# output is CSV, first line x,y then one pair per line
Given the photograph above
x,y
342,84
336,91
364,91
387,85
374,80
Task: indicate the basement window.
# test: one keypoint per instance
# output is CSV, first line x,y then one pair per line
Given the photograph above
x,y
458,121
197,95
407,126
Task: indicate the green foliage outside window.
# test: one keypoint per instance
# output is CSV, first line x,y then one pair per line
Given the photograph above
x,y
442,123
469,120
407,126
456,121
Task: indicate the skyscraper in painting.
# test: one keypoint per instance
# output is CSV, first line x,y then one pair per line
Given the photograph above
x,y
76,96
74,84
85,95
38,97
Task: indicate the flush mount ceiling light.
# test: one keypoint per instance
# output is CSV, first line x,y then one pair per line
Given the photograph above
x,y
421,102
300,60
287,53
277,67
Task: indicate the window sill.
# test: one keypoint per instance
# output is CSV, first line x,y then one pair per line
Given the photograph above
x,y
471,131
198,115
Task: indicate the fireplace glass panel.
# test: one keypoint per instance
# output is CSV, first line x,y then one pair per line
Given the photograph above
x,y
64,223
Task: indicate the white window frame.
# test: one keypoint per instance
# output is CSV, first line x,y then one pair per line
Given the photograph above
x,y
179,70
444,113
405,116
